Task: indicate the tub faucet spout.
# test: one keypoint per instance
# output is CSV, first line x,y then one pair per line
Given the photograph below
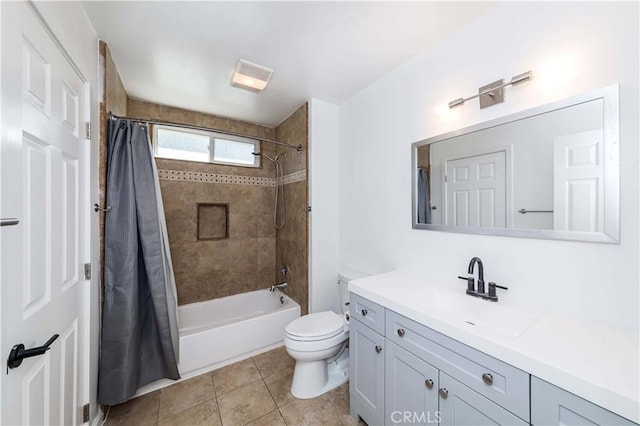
x,y
280,286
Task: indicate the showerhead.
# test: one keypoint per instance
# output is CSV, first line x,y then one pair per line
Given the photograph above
x,y
279,187
265,155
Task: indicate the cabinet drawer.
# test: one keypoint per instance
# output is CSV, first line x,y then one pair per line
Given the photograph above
x,y
551,405
459,405
368,313
502,383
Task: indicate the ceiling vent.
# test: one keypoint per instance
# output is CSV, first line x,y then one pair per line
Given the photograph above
x,y
251,76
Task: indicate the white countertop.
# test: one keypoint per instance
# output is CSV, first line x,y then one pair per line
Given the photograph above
x,y
596,363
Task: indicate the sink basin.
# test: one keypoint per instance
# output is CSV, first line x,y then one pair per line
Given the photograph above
x,y
471,312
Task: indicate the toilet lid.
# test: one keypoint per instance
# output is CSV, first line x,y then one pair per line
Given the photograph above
x,y
317,326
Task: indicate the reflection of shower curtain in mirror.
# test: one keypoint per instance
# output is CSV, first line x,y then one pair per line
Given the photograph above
x,y
424,206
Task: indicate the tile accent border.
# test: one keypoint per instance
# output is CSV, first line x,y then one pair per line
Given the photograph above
x,y
181,175
294,177
186,176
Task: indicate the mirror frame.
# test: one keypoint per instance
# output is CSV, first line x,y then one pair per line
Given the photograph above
x,y
611,163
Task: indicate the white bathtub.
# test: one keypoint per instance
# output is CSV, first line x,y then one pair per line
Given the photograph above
x,y
217,331
221,331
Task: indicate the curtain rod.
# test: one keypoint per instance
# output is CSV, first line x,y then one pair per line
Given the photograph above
x,y
298,148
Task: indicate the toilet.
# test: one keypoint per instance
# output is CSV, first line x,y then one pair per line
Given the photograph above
x,y
318,343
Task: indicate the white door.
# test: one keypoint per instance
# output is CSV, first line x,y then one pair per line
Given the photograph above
x,y
44,167
578,180
475,189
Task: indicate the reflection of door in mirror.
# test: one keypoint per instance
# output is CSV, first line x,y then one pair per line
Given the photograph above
x,y
475,189
578,189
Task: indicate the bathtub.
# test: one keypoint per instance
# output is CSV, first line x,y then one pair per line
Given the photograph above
x,y
219,331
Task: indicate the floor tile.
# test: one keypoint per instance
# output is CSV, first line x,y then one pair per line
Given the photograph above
x,y
183,395
276,361
142,410
243,398
280,388
347,420
205,414
235,375
272,419
339,397
317,411
245,404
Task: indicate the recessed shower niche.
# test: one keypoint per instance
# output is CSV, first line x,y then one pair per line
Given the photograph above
x,y
213,221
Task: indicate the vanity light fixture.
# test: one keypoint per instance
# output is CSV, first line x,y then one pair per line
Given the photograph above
x,y
251,76
493,93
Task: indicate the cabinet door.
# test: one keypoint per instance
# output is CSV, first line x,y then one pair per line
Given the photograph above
x,y
460,405
551,405
411,394
366,373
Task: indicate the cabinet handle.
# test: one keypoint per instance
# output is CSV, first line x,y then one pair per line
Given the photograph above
x,y
429,383
487,378
444,393
401,332
10,221
364,312
378,348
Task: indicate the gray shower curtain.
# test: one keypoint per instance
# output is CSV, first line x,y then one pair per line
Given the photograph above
x,y
424,204
139,341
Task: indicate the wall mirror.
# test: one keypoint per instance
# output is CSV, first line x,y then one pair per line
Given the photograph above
x,y
551,172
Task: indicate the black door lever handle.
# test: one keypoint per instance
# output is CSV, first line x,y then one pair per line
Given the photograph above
x,y
18,352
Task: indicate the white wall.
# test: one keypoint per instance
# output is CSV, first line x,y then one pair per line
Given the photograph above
x,y
323,198
72,27
572,48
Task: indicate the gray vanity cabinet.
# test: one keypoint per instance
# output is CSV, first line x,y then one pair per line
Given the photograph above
x,y
551,405
402,372
460,405
411,388
366,373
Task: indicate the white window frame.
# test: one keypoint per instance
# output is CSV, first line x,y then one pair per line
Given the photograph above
x,y
212,140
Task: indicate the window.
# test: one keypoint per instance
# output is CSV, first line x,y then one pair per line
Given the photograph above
x,y
207,147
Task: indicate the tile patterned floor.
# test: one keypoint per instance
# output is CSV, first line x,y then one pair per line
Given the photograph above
x,y
254,392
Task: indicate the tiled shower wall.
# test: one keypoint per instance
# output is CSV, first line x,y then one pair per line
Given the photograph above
x,y
245,261
292,240
114,100
251,257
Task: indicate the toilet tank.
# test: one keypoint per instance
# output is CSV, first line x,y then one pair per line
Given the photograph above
x,y
344,277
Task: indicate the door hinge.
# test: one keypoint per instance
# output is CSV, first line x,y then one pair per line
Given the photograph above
x,y
87,130
87,271
445,178
85,413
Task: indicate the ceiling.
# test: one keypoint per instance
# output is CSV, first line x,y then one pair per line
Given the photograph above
x,y
183,53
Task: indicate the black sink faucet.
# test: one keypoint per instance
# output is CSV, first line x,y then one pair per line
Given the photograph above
x,y
479,291
472,263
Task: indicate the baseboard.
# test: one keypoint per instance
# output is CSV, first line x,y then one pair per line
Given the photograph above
x,y
97,420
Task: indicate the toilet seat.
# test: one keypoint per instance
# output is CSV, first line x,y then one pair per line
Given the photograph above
x,y
315,327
